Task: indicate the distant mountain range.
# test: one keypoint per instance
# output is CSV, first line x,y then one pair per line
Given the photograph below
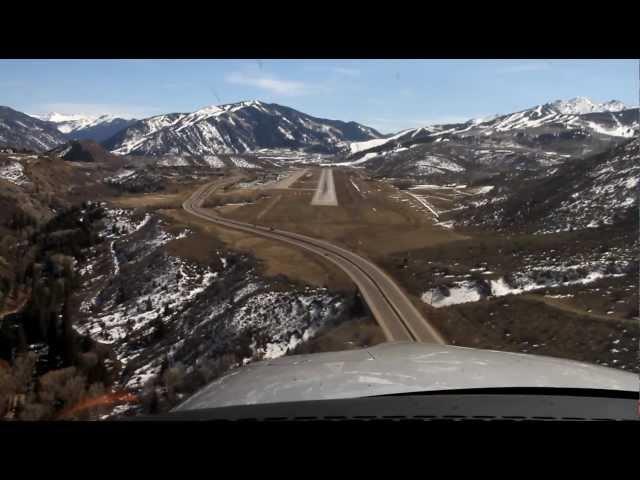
x,y
540,136
81,127
44,132
19,130
582,105
237,128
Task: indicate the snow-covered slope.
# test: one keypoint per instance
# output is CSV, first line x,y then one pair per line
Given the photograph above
x,y
355,147
576,114
582,105
19,130
66,123
236,128
579,194
609,188
12,170
567,115
153,306
84,127
537,137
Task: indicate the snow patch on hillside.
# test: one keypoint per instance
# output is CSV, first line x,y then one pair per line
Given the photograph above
x,y
173,161
213,161
618,131
434,163
582,105
484,190
364,159
13,172
464,292
240,162
532,278
285,320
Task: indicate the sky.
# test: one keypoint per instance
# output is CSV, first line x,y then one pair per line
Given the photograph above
x,y
389,95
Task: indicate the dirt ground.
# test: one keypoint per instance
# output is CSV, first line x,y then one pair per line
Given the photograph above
x,y
582,325
421,269
520,324
368,222
172,197
275,258
308,181
378,221
373,218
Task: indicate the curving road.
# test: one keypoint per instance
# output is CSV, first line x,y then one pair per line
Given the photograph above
x,y
394,312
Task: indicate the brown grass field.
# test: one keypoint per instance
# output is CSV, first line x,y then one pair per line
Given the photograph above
x,y
274,257
368,222
384,224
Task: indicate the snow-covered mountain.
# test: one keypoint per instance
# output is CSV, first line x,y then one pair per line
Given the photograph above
x,y
85,127
236,128
572,115
65,123
582,105
611,118
536,137
19,130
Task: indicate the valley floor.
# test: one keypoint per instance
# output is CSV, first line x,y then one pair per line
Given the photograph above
x,y
568,295
179,301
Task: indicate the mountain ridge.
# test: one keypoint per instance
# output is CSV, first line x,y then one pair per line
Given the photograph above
x,y
86,127
19,130
236,128
537,137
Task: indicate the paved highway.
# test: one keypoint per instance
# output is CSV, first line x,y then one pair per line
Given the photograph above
x,y
392,309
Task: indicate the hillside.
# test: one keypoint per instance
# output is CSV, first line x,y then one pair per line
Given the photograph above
x,y
236,128
82,127
20,131
581,193
84,151
538,137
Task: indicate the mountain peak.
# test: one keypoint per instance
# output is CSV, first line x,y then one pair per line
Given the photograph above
x,y
582,105
56,117
242,104
237,128
208,110
215,110
614,106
